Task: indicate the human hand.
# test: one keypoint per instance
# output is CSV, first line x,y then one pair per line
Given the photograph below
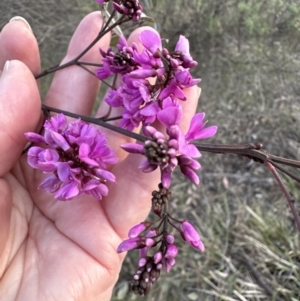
x,y
49,249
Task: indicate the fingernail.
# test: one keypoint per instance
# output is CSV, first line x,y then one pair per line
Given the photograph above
x,y
199,92
18,18
5,67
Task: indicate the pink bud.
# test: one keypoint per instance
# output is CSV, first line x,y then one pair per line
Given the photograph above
x,y
136,230
130,244
191,236
171,251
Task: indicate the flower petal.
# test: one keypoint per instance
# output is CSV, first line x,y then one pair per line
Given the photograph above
x,y
67,191
190,150
169,116
34,137
150,40
105,174
133,148
190,174
64,172
130,244
60,140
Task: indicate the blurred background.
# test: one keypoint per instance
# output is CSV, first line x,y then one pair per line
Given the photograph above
x,y
249,61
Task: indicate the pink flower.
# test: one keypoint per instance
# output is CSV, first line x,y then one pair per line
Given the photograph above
x,y
136,230
142,102
175,150
76,155
131,8
191,236
135,243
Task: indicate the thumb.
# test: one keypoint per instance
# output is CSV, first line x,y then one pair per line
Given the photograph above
x,y
20,107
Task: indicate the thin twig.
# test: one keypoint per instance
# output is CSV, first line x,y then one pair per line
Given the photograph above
x,y
88,70
89,64
111,118
99,122
105,117
288,197
252,151
74,61
287,172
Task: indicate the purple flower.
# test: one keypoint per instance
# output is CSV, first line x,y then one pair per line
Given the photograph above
x,y
121,62
172,90
184,79
151,41
159,152
171,112
191,236
45,159
170,239
135,243
177,149
197,129
142,102
136,230
169,263
171,251
147,273
134,97
131,8
76,155
152,233
188,166
182,49
158,256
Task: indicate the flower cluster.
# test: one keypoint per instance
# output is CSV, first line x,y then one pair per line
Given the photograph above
x,y
177,149
121,62
141,101
152,90
76,155
157,249
131,8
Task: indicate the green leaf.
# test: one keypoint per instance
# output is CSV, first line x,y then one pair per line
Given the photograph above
x,y
145,18
114,41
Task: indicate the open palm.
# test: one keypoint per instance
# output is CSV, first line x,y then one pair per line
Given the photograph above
x,y
53,250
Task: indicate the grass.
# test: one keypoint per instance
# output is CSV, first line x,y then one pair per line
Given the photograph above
x,y
250,89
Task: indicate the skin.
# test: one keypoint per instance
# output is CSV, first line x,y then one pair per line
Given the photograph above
x,y
53,250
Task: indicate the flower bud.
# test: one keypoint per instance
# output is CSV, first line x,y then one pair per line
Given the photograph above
x,y
191,236
136,230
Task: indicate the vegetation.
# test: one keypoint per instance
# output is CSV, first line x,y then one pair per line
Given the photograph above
x,y
248,54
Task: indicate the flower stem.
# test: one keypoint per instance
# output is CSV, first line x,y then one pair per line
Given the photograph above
x,y
288,197
75,61
99,122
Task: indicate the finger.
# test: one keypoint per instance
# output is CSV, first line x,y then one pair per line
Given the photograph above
x,y
19,111
189,107
129,201
5,213
17,42
114,139
73,88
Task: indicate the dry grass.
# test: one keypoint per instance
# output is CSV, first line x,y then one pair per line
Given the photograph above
x,y
251,90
